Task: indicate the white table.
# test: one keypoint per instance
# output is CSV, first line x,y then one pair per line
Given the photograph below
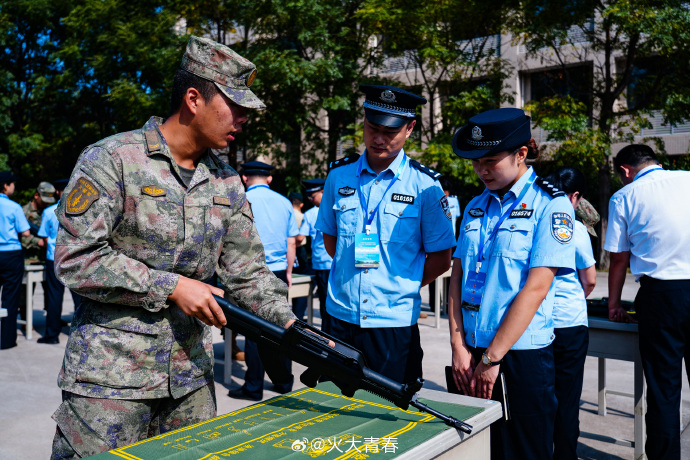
x,y
302,286
441,294
609,340
32,274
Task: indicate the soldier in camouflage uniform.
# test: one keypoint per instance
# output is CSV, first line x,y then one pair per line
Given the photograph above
x,y
148,215
34,248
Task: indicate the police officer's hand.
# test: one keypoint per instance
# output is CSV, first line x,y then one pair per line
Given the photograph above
x,y
484,379
463,369
195,299
619,315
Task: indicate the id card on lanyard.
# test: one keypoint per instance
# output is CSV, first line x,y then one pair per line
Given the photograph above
x,y
473,290
367,246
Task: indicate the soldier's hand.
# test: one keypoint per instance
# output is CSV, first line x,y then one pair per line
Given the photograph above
x,y
195,299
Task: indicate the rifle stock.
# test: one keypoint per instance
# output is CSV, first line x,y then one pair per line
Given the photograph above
x,y
342,364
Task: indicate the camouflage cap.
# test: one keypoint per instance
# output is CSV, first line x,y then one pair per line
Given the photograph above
x,y
47,192
588,215
232,74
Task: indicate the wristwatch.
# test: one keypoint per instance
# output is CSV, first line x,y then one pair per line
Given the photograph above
x,y
486,360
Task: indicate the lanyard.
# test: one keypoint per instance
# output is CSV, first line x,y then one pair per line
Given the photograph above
x,y
482,241
252,187
640,176
365,206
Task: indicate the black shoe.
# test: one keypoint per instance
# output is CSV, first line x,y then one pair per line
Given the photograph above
x,y
49,340
240,393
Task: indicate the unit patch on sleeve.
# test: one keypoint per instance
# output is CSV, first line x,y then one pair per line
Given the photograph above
x,y
521,213
561,227
400,198
346,191
446,207
82,196
476,212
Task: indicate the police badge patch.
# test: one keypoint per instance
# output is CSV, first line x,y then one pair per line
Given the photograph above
x,y
446,207
346,191
476,212
562,226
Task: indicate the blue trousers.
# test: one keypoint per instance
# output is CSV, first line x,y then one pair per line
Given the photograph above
x,y
395,352
11,274
321,278
569,353
530,378
261,360
663,313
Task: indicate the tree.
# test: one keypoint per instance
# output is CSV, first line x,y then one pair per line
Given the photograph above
x,y
618,39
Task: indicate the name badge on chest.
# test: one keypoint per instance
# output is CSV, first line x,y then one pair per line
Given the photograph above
x,y
473,290
367,252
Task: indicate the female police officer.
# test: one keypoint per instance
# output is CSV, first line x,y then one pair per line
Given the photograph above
x,y
514,238
570,322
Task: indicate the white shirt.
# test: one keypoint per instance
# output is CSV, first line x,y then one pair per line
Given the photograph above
x,y
651,218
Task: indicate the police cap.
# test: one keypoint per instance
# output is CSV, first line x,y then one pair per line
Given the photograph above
x,y
6,177
60,184
313,185
492,132
389,106
256,168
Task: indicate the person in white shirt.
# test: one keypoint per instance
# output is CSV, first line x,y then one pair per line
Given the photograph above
x,y
649,228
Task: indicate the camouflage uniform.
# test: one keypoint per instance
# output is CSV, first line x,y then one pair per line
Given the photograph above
x,y
588,215
32,251
128,229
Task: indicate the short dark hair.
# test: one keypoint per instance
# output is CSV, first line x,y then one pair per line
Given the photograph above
x,y
634,155
183,81
568,179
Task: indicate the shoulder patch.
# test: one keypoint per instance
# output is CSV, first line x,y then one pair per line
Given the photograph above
x,y
561,227
344,161
549,187
425,169
82,196
153,142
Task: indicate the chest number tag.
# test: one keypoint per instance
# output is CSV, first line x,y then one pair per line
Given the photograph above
x,y
222,200
400,198
82,196
152,190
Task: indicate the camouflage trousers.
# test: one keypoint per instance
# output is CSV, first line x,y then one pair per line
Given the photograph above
x,y
88,426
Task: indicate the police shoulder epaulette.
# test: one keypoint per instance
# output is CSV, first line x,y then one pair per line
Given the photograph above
x,y
549,188
344,161
425,169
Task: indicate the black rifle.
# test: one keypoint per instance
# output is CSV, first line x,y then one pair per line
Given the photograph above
x,y
342,364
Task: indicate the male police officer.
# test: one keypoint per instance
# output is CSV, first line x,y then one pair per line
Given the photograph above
x,y
277,229
320,259
386,222
648,231
149,215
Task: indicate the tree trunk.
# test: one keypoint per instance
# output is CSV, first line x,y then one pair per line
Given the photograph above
x,y
604,195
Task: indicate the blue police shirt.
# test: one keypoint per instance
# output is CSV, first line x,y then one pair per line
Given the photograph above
x,y
12,222
275,222
320,260
412,220
570,305
531,236
49,229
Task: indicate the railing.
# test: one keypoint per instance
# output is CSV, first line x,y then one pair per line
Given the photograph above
x,y
577,34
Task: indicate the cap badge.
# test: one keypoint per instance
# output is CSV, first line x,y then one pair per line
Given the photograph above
x,y
477,133
388,96
251,77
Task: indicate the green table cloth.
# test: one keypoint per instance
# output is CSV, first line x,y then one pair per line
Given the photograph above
x,y
307,423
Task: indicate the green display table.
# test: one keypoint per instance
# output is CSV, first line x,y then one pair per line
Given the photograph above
x,y
320,422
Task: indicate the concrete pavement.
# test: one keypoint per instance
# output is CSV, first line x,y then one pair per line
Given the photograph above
x,y
30,395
